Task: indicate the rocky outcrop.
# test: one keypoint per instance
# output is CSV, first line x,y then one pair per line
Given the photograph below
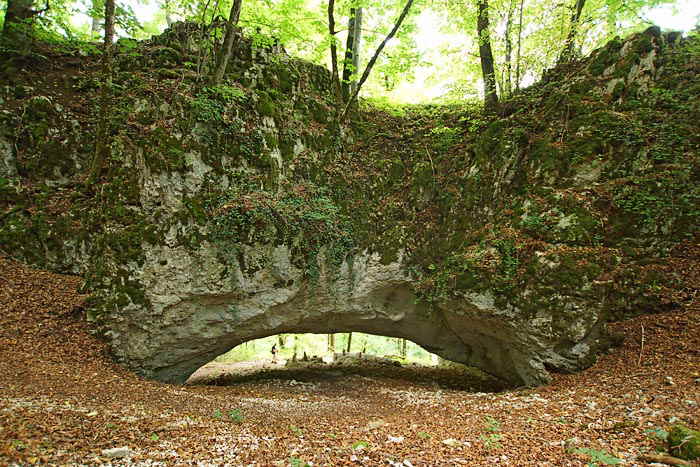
x,y
198,311
236,212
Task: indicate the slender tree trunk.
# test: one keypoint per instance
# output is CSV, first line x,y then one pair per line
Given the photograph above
x,y
486,54
109,26
334,51
102,139
567,53
226,49
374,58
520,37
96,18
357,49
16,31
331,343
280,340
352,52
404,344
349,344
168,13
95,25
509,50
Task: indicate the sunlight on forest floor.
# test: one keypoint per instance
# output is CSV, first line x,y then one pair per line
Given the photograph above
x,y
326,347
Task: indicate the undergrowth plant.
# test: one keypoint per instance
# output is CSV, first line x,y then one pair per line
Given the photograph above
x,y
304,217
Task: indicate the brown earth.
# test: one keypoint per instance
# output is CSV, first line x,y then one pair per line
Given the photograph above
x,y
63,401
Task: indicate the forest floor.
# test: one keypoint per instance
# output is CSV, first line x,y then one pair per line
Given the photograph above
x,y
314,370
64,402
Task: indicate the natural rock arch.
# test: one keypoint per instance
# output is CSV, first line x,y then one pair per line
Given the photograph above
x,y
522,239
195,316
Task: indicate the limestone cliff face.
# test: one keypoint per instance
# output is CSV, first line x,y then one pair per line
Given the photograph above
x,y
230,213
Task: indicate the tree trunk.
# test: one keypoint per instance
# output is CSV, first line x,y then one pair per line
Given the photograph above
x,y
352,52
109,25
486,54
404,344
280,340
373,60
349,344
334,51
97,16
331,343
226,49
16,32
102,139
509,51
168,13
520,37
95,25
568,53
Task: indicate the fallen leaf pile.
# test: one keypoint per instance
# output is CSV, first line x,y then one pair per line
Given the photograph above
x,y
64,402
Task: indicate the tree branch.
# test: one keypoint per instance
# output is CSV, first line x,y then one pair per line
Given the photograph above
x,y
373,60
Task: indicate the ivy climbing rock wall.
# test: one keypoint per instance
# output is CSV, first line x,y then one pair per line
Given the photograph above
x,y
233,212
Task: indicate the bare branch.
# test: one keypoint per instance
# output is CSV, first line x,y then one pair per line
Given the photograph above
x,y
373,60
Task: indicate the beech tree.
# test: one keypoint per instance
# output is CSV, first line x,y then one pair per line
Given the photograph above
x,y
517,39
568,52
352,52
109,25
508,80
17,28
486,56
368,69
520,38
224,53
102,137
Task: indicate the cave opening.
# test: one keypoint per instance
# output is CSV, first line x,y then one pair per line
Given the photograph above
x,y
328,359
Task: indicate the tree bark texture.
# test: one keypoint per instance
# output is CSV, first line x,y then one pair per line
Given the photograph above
x,y
352,52
520,38
334,50
16,32
508,88
373,60
486,54
226,49
109,24
102,136
567,53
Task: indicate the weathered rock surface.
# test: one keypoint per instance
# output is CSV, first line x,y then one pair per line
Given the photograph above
x,y
217,223
196,315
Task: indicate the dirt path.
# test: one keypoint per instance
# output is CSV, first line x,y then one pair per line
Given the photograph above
x,y
63,402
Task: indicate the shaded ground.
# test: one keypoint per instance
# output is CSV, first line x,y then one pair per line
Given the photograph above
x,y
62,401
313,372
